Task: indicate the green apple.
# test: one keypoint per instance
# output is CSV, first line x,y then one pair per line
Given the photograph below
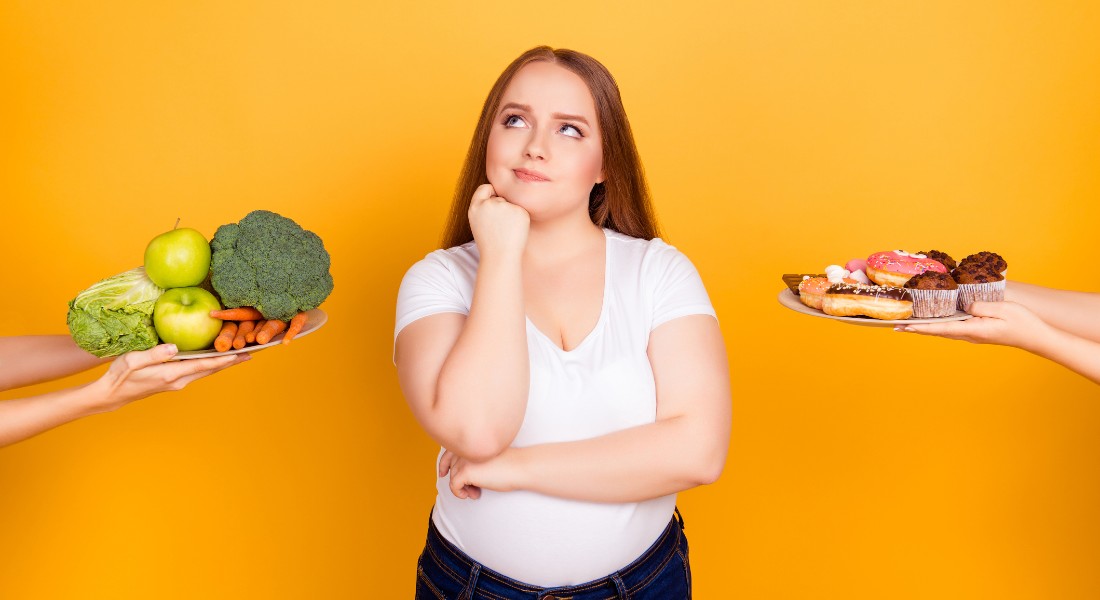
x,y
178,258
181,316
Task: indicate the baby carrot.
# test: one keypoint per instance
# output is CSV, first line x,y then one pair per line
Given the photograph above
x,y
296,325
250,337
270,329
224,341
239,340
244,313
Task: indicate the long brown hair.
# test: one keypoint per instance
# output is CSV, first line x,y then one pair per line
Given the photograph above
x,y
620,203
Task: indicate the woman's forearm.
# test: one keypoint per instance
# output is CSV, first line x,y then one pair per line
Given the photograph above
x,y
1075,312
26,417
30,359
631,465
1075,353
483,384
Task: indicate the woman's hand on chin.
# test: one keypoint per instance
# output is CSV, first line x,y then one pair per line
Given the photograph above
x,y
499,227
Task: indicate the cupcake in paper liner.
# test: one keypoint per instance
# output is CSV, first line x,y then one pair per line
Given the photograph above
x,y
934,295
978,283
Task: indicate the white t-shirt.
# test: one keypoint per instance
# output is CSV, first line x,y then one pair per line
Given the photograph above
x,y
603,385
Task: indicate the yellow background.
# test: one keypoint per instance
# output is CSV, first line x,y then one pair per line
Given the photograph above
x,y
777,137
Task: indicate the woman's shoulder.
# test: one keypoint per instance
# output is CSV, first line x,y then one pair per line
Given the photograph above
x,y
455,256
641,248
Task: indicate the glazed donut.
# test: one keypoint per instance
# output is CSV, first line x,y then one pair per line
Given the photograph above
x,y
896,267
811,291
875,301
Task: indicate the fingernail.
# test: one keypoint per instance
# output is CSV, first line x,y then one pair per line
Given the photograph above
x,y
171,349
901,328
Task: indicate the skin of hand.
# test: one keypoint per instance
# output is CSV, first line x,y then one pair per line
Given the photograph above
x,y
1005,323
136,375
490,474
130,377
499,226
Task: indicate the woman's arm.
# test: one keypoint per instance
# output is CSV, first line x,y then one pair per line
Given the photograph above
x,y
30,359
131,376
1012,324
685,447
466,378
1075,312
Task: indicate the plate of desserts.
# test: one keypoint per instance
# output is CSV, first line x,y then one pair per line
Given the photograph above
x,y
897,287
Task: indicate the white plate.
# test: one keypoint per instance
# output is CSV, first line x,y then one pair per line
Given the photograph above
x,y
314,320
788,299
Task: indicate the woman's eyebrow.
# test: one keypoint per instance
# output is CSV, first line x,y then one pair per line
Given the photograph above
x,y
527,108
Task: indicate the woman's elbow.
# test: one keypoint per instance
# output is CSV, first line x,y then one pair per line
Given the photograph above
x,y
708,468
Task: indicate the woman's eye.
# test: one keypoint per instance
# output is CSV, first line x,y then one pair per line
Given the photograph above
x,y
571,131
513,121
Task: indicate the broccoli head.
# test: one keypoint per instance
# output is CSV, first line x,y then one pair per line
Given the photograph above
x,y
269,262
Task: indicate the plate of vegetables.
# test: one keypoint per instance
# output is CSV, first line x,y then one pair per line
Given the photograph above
x,y
245,330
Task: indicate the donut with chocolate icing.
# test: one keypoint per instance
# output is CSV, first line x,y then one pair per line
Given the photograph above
x,y
875,301
896,267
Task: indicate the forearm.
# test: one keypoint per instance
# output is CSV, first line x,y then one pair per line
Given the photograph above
x,y
26,417
1075,353
631,465
27,360
483,384
1075,312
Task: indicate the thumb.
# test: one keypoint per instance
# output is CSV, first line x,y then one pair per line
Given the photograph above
x,y
987,309
147,358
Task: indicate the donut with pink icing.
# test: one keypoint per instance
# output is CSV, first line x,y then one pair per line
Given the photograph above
x,y
812,291
896,267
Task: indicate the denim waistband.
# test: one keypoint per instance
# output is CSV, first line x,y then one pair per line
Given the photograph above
x,y
620,584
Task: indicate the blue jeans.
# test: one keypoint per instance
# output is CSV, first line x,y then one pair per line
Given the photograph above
x,y
661,573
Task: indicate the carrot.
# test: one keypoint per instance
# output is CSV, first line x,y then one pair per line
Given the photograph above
x,y
224,341
250,337
244,313
270,329
239,340
296,325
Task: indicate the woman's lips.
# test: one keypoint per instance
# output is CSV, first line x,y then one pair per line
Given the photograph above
x,y
530,176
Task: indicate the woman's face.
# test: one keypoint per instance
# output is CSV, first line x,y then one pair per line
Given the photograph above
x,y
545,151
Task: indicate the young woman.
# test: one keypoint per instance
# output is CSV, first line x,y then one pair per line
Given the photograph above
x,y
568,362
1059,325
28,360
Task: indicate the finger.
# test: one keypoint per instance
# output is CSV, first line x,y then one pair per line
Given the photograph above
x,y
473,492
988,309
201,365
457,489
444,463
483,192
147,358
237,359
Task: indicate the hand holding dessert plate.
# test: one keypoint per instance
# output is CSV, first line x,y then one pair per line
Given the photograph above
x,y
896,287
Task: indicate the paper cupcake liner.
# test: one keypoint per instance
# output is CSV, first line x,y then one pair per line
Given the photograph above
x,y
970,293
928,304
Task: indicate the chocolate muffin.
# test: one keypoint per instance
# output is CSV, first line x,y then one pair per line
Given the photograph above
x,y
994,261
934,294
978,281
969,274
931,280
941,257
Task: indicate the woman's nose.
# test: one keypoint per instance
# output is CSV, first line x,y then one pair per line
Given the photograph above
x,y
536,146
